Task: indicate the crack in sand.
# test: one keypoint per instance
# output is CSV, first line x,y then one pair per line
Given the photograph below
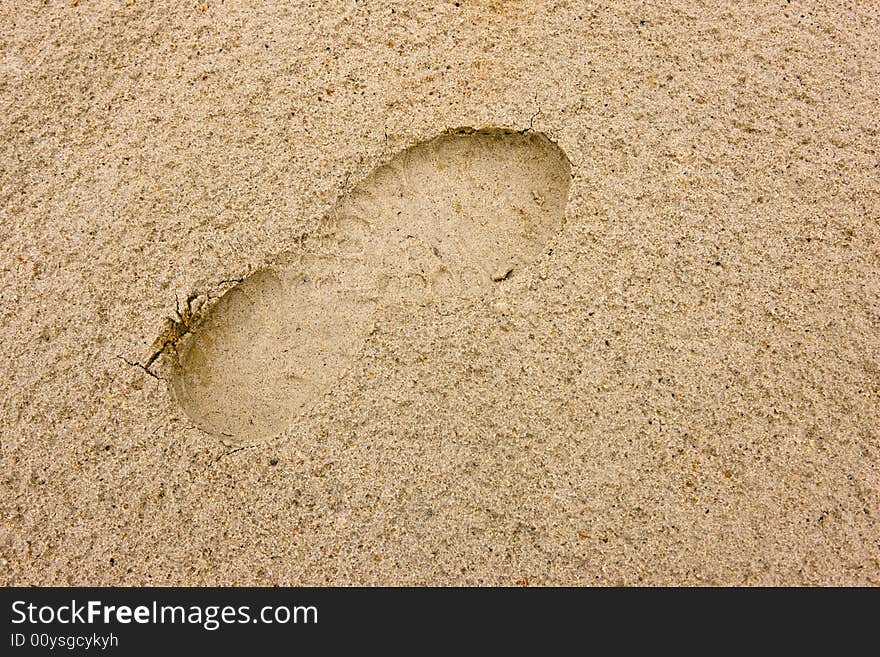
x,y
141,366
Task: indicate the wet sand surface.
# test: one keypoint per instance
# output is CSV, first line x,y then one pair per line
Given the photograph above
x,y
653,358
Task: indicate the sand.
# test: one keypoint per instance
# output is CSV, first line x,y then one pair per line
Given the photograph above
x,y
632,339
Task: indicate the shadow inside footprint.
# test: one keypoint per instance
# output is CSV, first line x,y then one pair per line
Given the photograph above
x,y
448,217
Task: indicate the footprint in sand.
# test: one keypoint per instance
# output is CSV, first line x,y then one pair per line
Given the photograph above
x,y
449,217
